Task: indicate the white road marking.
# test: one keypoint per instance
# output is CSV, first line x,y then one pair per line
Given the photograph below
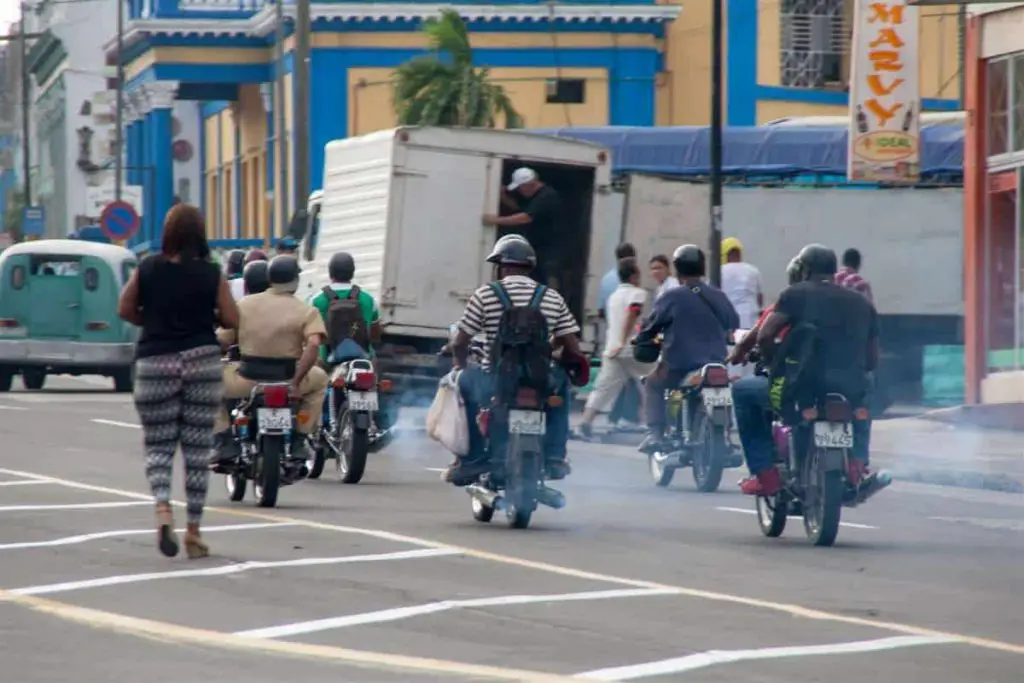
x,y
23,482
72,506
177,633
398,613
996,524
713,657
228,569
436,469
84,538
116,423
851,525
3,407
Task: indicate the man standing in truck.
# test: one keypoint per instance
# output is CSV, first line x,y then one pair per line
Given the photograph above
x,y
538,217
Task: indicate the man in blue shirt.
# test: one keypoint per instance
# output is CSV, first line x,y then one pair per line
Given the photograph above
x,y
610,280
696,320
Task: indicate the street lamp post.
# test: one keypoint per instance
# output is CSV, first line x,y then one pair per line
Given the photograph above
x,y
716,144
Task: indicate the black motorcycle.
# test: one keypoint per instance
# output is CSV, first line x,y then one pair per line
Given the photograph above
x,y
353,423
263,429
700,420
515,425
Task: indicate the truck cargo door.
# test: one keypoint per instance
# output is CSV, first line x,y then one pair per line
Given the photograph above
x,y
441,242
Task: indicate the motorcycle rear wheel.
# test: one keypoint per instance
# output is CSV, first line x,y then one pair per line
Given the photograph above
x,y
709,463
823,501
354,446
319,459
268,471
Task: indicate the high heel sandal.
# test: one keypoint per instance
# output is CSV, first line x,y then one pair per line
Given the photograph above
x,y
195,547
167,540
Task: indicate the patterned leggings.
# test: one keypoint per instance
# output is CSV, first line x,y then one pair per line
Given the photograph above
x,y
177,396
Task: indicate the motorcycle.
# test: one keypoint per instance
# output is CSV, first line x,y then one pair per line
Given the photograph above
x,y
812,458
262,426
351,428
700,418
516,487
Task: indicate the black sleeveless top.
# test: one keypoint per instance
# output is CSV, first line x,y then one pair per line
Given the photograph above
x,y
178,302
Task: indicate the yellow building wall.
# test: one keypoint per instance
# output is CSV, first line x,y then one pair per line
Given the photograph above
x,y
370,105
938,44
769,110
683,93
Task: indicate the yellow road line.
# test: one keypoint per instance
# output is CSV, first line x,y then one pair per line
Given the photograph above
x,y
786,608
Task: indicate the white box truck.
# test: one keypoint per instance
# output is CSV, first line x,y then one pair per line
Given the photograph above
x,y
407,204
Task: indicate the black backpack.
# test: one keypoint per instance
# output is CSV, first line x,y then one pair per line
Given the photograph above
x,y
521,350
345,319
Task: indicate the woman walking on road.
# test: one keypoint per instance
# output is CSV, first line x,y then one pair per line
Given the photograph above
x,y
178,297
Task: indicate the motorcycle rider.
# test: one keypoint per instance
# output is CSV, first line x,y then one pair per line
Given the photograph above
x,y
515,260
843,326
341,269
276,329
255,277
233,272
696,319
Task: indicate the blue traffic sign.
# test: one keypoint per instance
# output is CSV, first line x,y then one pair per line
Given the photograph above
x,y
119,220
33,221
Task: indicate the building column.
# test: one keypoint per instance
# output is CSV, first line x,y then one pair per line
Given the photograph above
x,y
161,96
975,198
140,160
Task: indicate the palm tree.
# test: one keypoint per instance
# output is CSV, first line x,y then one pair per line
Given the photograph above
x,y
449,91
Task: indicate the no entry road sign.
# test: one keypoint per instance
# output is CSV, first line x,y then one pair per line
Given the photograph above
x,y
119,220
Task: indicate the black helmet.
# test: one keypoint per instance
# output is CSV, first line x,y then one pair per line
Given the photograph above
x,y
793,271
255,255
341,267
235,263
255,277
513,250
818,261
689,261
283,269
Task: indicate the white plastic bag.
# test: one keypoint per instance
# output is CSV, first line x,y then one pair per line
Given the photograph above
x,y
446,419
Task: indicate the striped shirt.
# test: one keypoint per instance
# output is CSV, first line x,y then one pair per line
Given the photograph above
x,y
483,312
851,279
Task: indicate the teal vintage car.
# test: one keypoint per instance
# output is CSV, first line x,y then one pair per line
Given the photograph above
x,y
58,312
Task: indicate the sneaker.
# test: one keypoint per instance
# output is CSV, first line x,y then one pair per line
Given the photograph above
x,y
558,469
464,472
651,443
585,432
767,483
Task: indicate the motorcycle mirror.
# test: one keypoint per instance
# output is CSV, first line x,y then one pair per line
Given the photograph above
x,y
297,225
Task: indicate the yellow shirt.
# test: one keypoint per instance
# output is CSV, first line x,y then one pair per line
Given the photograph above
x,y
273,325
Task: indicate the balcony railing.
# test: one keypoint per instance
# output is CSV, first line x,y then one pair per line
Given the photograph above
x,y
249,7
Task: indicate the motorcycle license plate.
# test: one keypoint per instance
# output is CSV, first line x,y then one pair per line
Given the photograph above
x,y
274,419
362,400
526,422
717,397
833,435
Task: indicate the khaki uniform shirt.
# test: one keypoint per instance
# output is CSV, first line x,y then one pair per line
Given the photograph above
x,y
273,325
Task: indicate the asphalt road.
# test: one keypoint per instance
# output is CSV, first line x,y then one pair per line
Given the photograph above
x,y
392,580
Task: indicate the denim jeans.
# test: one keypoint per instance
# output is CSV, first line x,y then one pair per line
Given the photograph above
x,y
753,419
476,387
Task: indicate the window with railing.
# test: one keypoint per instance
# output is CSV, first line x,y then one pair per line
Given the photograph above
x,y
814,43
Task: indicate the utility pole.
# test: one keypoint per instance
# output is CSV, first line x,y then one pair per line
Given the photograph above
x,y
716,143
300,110
26,109
119,115
282,162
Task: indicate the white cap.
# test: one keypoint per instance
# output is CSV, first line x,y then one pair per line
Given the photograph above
x,y
521,176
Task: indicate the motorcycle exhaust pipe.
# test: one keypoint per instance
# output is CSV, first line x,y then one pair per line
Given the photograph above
x,y
550,497
872,485
487,497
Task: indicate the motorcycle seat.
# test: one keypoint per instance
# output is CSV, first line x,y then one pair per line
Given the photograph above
x,y
347,350
260,369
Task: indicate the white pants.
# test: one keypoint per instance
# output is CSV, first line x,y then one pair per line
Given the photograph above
x,y
611,380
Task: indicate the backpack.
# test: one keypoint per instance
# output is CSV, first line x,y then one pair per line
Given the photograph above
x,y
521,351
345,319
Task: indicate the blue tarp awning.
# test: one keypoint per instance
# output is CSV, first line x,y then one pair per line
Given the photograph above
x,y
769,150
